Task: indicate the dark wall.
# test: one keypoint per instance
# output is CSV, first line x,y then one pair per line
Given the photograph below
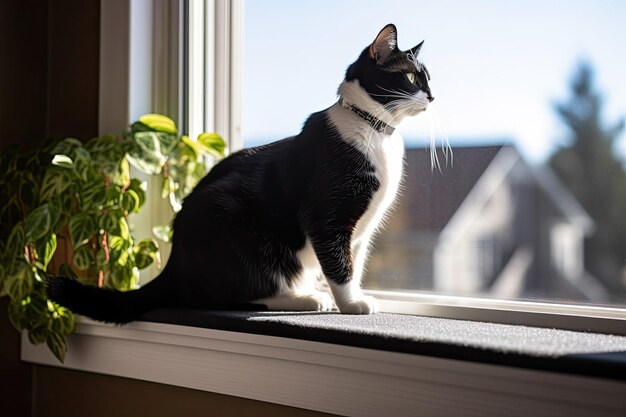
x,y
49,52
73,68
23,72
15,376
49,70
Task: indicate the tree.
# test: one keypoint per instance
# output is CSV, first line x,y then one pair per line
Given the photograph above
x,y
590,167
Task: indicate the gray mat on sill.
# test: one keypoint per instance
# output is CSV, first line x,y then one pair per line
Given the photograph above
x,y
521,346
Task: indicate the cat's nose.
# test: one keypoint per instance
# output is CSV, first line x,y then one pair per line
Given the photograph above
x,y
431,98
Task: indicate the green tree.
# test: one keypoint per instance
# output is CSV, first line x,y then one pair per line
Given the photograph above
x,y
589,165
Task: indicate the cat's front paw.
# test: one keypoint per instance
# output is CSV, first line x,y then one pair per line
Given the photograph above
x,y
316,301
363,305
320,301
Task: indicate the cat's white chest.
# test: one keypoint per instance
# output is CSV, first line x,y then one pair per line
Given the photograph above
x,y
386,155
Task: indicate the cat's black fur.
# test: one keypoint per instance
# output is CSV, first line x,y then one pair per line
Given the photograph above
x,y
244,223
380,76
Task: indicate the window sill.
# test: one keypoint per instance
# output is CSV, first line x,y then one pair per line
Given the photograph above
x,y
291,359
577,317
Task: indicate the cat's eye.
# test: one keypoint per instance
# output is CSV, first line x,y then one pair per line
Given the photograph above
x,y
411,76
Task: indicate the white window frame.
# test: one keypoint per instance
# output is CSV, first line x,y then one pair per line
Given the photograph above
x,y
140,34
212,70
584,318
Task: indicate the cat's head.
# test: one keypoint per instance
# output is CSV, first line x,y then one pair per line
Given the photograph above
x,y
391,77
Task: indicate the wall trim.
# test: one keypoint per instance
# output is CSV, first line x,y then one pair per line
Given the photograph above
x,y
326,377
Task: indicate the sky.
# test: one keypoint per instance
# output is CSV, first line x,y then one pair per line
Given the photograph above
x,y
497,67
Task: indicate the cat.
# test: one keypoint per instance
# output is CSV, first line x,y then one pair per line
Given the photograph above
x,y
266,222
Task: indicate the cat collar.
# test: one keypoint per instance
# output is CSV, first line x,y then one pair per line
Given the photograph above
x,y
377,124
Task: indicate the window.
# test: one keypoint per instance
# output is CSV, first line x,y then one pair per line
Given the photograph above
x,y
222,361
532,206
566,250
211,65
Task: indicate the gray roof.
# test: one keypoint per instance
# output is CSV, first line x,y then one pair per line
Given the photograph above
x,y
432,196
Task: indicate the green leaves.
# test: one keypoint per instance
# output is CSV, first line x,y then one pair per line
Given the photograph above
x,y
130,201
16,242
59,323
150,149
183,162
82,164
159,123
139,187
45,321
57,345
17,314
213,144
63,161
82,228
36,198
93,195
45,249
40,222
66,147
106,152
76,198
56,180
152,139
163,232
19,279
187,165
146,252
83,258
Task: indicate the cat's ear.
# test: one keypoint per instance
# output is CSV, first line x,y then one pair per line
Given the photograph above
x,y
416,50
385,43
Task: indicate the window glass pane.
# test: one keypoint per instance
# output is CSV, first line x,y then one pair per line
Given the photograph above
x,y
532,98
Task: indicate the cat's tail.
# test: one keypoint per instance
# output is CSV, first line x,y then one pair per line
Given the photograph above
x,y
108,305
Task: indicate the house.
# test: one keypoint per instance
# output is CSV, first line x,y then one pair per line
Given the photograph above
x,y
486,223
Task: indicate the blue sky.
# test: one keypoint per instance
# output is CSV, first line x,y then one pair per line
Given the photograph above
x,y
497,67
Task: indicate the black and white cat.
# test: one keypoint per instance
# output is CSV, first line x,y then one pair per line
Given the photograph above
x,y
266,222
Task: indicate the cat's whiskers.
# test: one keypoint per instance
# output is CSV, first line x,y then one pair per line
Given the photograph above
x,y
434,158
406,98
409,103
402,108
434,125
395,93
445,144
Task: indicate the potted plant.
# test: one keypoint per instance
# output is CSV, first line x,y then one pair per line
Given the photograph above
x,y
64,209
